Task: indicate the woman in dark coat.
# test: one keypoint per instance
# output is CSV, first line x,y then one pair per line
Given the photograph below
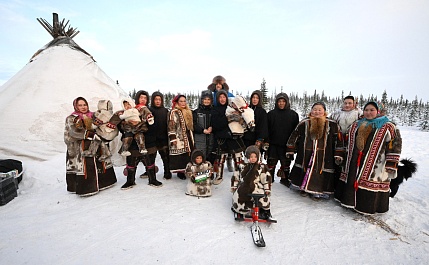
x,y
84,175
202,125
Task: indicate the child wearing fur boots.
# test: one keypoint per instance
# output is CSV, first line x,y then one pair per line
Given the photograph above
x,y
134,126
200,175
255,178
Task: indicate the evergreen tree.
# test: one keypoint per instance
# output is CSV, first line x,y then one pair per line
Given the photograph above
x,y
424,124
305,106
264,92
412,118
133,93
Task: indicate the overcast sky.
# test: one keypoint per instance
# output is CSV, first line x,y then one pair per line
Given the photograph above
x,y
362,47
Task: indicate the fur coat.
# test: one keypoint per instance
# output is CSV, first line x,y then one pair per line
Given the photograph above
x,y
372,161
255,178
316,142
195,172
84,175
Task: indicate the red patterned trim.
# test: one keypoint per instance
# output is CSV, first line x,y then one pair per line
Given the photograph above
x,y
374,186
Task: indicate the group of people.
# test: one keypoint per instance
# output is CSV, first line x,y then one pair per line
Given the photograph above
x,y
351,155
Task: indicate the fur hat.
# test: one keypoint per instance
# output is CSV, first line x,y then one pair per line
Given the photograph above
x,y
206,94
253,149
197,153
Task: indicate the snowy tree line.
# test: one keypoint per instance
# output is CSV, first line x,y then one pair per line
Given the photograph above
x,y
401,111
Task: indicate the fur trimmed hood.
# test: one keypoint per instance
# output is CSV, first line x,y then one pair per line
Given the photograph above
x,y
142,92
156,94
253,149
285,97
197,153
130,101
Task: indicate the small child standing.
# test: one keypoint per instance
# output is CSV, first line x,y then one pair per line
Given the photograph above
x,y
134,126
255,178
200,172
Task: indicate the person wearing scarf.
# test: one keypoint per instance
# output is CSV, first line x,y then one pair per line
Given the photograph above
x,y
315,140
373,153
84,175
180,134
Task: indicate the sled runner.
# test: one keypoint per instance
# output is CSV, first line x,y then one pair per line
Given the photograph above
x,y
258,239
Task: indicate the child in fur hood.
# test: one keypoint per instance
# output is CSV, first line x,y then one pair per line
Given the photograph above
x,y
100,119
200,174
255,178
134,125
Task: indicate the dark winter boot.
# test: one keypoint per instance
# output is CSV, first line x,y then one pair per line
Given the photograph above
x,y
283,173
126,142
166,162
131,178
92,149
271,163
152,177
264,214
181,175
139,137
230,163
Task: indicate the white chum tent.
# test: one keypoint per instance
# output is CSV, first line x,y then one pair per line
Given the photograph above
x,y
35,102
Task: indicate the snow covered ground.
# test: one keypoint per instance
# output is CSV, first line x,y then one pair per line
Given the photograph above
x,y
145,225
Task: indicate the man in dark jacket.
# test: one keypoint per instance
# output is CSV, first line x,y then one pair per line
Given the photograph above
x,y
281,123
260,134
159,130
142,97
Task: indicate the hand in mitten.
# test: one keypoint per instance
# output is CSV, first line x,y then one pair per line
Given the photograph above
x,y
150,119
266,146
